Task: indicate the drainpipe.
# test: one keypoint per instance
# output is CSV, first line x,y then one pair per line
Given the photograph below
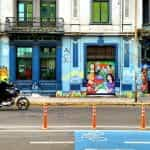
x,y
135,49
121,43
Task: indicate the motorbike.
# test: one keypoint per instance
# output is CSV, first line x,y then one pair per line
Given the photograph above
x,y
10,95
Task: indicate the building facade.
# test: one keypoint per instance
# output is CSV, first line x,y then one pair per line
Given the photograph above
x,y
145,41
50,45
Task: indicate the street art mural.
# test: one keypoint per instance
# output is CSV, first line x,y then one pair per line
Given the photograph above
x,y
100,76
145,76
73,75
3,73
67,56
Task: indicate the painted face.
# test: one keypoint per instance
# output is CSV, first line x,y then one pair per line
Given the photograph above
x,y
109,78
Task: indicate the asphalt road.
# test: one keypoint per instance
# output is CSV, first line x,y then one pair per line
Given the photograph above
x,y
23,129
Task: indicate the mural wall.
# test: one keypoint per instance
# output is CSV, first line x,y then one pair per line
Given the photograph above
x,y
101,77
101,74
4,58
3,73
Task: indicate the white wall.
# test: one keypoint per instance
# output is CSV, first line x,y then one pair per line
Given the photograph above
x,y
6,10
82,24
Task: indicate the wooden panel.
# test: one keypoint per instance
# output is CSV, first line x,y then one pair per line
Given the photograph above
x,y
97,52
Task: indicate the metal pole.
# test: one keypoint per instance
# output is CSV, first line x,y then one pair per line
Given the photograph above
x,y
136,47
135,96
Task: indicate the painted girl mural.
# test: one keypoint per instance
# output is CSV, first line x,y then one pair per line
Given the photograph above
x,y
110,83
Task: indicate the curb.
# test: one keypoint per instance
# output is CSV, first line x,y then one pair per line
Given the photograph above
x,y
81,103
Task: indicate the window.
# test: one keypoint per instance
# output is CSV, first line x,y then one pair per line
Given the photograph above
x,y
75,8
24,63
24,10
100,11
146,11
48,63
48,11
126,8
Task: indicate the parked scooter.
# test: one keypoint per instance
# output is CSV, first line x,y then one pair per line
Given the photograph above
x,y
10,95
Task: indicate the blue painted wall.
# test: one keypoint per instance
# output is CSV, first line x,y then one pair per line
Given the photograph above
x,y
36,59
4,52
74,75
71,59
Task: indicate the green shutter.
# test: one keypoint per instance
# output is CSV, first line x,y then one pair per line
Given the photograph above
x,y
96,12
52,10
44,10
29,11
104,12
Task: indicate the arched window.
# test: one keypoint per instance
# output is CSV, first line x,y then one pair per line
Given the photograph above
x,y
100,11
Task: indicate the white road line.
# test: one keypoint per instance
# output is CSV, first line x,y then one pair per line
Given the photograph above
x,y
51,142
137,142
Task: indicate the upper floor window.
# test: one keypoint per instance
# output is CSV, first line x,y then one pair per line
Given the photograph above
x,y
75,8
24,10
48,10
146,11
100,11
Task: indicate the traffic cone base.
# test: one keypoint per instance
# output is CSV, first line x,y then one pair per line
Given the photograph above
x,y
94,117
143,118
45,117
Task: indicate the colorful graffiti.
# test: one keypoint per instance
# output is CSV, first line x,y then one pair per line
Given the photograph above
x,y
144,86
3,73
67,56
100,76
73,74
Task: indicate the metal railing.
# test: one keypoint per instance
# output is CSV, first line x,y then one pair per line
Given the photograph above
x,y
34,25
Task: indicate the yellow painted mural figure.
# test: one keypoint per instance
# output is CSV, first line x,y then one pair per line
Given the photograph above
x,y
3,73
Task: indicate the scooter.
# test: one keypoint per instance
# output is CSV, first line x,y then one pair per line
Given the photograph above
x,y
11,96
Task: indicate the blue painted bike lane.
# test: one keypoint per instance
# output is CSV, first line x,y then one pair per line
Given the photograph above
x,y
112,140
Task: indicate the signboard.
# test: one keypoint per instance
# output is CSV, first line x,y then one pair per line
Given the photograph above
x,y
112,140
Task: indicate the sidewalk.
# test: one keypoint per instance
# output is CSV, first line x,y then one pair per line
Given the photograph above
x,y
103,100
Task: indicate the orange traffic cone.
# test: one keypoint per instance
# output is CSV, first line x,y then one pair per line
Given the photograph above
x,y
45,117
94,117
143,118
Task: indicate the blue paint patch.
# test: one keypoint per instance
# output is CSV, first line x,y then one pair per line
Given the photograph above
x,y
75,86
126,87
75,54
101,40
112,140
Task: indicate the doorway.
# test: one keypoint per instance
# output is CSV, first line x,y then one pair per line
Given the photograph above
x,y
100,70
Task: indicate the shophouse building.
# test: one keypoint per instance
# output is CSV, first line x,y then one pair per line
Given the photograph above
x,y
72,45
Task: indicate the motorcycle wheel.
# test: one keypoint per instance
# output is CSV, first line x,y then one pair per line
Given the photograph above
x,y
23,103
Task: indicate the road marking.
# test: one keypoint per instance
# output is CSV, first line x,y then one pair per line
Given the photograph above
x,y
51,142
107,149
137,142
